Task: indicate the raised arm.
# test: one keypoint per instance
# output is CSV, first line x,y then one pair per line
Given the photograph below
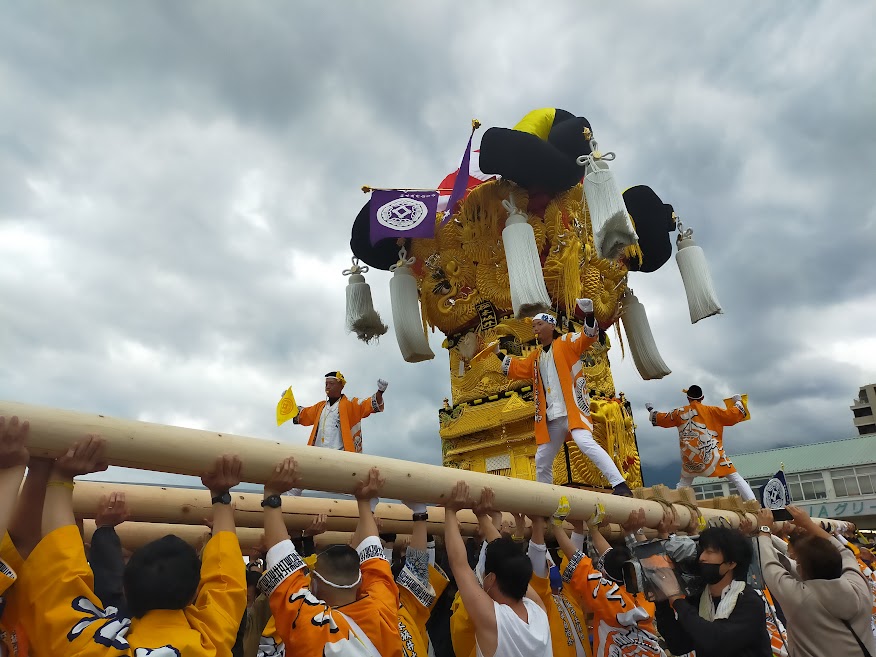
x,y
284,478
13,459
25,528
106,558
224,475
366,491
83,457
477,603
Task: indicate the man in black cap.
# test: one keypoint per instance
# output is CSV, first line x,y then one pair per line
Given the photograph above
x,y
700,431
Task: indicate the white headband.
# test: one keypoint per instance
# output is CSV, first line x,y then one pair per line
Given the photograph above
x,y
550,319
339,586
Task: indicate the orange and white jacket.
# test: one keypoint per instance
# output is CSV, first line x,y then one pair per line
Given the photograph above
x,y
417,598
351,412
567,351
309,627
700,436
70,620
623,624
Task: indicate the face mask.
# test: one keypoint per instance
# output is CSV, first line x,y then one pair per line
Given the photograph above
x,y
711,572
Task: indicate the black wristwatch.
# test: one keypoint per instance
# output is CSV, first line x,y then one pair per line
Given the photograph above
x,y
420,517
272,501
224,498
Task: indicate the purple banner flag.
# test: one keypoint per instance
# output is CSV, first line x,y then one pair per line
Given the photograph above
x,y
396,213
461,182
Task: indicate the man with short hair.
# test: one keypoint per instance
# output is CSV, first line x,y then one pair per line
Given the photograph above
x,y
729,619
562,400
337,421
509,618
348,604
700,434
827,602
181,605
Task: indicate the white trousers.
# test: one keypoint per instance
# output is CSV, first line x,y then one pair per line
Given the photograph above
x,y
736,479
558,429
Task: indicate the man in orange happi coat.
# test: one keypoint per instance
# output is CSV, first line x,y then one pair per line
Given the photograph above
x,y
700,433
562,402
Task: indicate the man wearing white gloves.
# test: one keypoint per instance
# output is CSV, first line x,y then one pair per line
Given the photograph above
x,y
700,432
337,421
562,402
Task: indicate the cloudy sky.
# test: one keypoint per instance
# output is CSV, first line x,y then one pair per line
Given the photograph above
x,y
178,181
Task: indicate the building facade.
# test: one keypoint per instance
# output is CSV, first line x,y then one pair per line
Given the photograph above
x,y
862,410
830,480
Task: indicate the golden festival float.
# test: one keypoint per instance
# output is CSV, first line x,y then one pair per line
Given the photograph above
x,y
529,223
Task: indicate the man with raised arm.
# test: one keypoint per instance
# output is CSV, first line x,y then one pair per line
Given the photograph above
x,y
180,604
562,400
337,421
508,616
348,604
700,435
623,623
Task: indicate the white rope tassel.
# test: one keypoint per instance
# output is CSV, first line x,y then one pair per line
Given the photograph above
x,y
406,318
640,339
528,292
702,300
362,319
612,229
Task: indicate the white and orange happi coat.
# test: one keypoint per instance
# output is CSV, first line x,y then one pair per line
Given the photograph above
x,y
567,351
700,436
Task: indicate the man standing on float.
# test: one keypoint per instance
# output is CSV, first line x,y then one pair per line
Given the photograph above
x,y
337,421
700,434
562,402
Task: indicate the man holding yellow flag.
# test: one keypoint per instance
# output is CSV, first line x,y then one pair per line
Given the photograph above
x,y
336,421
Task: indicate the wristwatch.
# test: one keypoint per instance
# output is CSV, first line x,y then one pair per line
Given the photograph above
x,y
223,498
419,517
765,529
272,501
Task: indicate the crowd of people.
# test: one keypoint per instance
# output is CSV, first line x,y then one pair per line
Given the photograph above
x,y
502,594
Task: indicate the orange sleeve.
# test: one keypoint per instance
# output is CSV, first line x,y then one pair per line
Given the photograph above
x,y
726,417
517,368
668,420
583,580
286,583
309,415
367,406
221,598
581,341
377,579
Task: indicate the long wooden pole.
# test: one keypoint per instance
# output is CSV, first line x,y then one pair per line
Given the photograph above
x,y
179,450
137,534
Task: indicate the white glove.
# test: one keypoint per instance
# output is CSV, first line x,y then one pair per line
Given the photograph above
x,y
382,385
416,507
649,406
736,398
586,305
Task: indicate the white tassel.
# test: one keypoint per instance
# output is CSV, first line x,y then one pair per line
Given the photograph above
x,y
362,319
640,339
406,317
702,300
528,292
612,229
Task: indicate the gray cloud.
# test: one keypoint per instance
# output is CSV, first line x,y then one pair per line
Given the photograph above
x,y
177,184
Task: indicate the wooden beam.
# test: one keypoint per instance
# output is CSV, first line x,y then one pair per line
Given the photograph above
x,y
163,448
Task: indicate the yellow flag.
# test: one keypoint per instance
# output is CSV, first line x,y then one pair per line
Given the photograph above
x,y
729,403
287,409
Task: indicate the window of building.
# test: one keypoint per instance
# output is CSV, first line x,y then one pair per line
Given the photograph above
x,y
806,486
862,412
866,429
499,465
709,491
845,483
862,396
757,482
